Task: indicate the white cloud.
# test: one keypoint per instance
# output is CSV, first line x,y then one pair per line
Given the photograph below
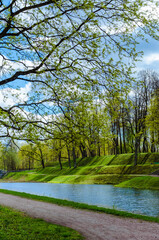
x,y
151,10
11,96
132,94
153,57
7,65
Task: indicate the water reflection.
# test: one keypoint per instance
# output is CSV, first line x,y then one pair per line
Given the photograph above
x,y
138,201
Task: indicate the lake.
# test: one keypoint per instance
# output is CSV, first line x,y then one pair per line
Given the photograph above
x,y
144,202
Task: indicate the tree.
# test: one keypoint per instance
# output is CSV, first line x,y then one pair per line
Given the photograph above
x,y
56,45
26,156
35,155
152,121
148,87
144,91
10,157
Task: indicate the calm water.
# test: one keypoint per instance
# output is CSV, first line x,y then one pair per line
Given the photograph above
x,y
138,201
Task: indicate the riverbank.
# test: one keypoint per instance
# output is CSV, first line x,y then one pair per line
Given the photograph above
x,y
84,221
98,170
145,182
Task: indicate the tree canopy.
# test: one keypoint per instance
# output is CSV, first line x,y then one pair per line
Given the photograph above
x,y
57,48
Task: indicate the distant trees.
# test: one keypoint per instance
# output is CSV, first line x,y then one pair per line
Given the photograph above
x,y
152,121
26,155
9,158
147,89
34,155
133,118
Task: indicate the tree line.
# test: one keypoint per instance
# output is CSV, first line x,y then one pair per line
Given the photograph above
x,y
116,123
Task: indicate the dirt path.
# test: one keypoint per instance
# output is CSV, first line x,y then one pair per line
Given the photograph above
x,y
92,225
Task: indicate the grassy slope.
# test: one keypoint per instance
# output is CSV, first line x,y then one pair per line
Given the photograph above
x,y
98,170
145,182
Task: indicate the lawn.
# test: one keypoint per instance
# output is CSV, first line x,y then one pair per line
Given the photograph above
x,y
15,225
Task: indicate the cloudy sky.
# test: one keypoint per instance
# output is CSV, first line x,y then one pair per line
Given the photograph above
x,y
150,58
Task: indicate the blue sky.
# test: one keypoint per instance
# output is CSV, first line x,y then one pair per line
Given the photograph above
x,y
150,58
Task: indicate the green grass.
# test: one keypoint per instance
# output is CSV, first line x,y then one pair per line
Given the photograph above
x,y
92,170
84,175
91,161
70,179
120,159
81,206
144,182
15,225
96,170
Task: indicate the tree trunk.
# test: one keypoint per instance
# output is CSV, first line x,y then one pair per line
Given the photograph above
x,y
116,144
123,125
69,159
136,137
92,152
29,163
59,158
136,151
152,142
120,138
145,144
83,150
104,148
42,159
98,148
74,157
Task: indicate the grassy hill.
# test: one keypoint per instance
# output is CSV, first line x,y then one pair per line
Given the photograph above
x,y
97,170
145,182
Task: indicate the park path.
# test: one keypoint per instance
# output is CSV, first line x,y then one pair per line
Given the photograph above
x,y
92,225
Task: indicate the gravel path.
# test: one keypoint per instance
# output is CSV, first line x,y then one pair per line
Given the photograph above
x,y
92,225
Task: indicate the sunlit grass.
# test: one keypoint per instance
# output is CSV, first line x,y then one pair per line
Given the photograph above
x,y
144,182
17,226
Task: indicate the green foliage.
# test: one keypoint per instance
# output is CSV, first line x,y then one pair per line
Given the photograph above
x,y
16,226
9,159
34,155
152,119
26,156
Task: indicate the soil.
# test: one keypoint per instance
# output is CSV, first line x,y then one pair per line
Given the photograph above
x,y
92,225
